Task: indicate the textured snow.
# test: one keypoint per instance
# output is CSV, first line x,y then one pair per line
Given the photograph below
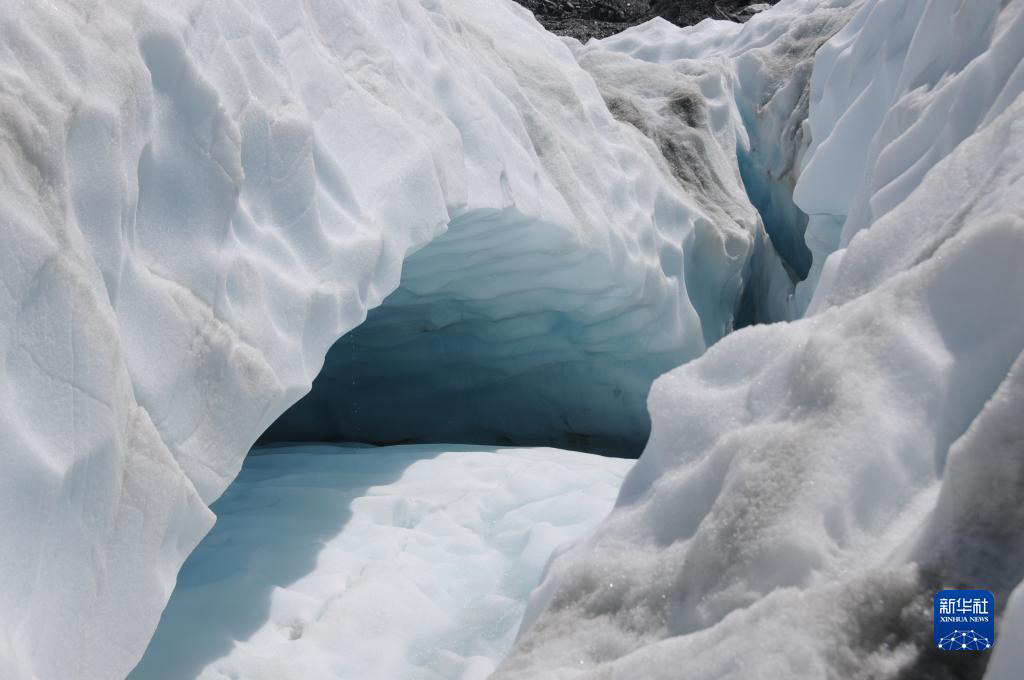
x,y
481,357
893,94
401,562
200,197
808,486
506,329
764,71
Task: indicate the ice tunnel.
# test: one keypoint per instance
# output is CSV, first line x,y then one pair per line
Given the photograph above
x,y
504,331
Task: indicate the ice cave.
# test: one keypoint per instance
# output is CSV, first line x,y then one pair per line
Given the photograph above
x,y
411,340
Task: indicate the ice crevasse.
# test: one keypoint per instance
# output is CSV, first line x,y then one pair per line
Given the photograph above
x,y
202,197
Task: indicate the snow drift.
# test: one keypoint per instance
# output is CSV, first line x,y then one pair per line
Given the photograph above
x,y
808,486
201,197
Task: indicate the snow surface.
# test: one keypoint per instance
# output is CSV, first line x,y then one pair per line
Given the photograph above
x,y
508,330
201,196
409,562
809,486
763,83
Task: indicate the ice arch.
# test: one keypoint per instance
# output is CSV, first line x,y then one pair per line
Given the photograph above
x,y
504,331
523,329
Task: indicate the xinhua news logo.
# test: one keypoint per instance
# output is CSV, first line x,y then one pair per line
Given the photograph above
x,y
965,620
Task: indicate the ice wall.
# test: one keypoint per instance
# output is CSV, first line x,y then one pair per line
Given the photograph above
x,y
506,330
894,93
765,72
687,110
201,197
809,486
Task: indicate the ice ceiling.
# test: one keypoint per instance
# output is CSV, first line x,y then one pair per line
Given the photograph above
x,y
500,333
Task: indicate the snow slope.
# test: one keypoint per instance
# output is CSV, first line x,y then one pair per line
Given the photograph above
x,y
893,94
200,197
410,562
809,486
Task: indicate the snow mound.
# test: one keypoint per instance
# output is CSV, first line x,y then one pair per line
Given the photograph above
x,y
406,562
200,197
809,486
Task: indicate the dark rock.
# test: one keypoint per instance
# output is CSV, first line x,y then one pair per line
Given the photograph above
x,y
585,19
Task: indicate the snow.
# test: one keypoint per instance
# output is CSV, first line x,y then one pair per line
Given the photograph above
x,y
200,197
809,486
1007,659
894,93
764,69
401,562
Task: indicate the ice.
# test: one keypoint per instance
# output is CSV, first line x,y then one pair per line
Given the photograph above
x,y
410,562
894,93
506,329
764,69
483,348
1007,659
809,486
201,197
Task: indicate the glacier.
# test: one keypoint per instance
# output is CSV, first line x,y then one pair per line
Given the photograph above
x,y
446,224
202,197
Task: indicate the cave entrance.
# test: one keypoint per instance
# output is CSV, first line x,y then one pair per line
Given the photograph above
x,y
500,333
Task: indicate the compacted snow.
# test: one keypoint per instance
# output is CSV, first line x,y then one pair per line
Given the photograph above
x,y
410,562
201,197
